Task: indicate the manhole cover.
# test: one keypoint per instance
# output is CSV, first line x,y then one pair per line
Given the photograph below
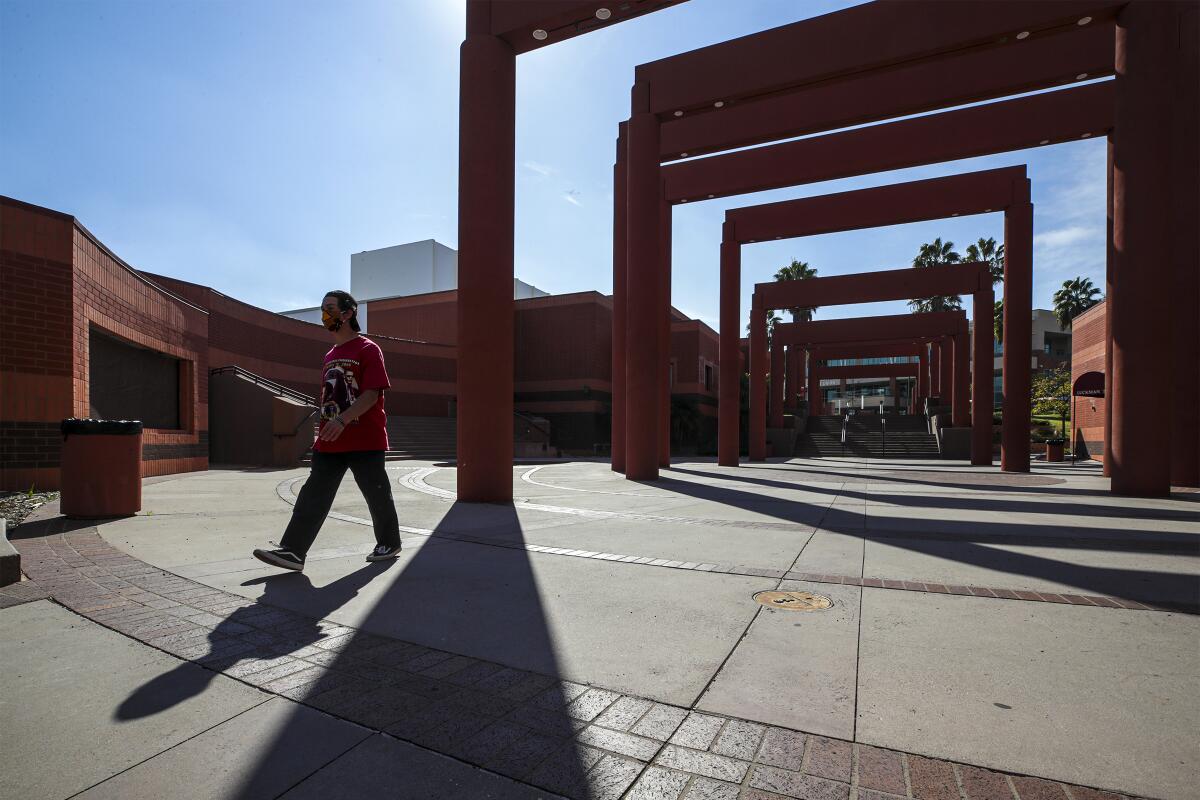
x,y
794,601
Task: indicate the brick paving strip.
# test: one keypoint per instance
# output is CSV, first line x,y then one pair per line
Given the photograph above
x,y
575,740
415,481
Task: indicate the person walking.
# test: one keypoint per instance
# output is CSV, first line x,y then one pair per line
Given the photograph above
x,y
352,435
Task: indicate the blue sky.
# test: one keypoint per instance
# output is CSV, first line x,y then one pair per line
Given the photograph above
x,y
253,146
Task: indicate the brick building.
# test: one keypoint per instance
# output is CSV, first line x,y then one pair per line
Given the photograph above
x,y
1088,355
89,335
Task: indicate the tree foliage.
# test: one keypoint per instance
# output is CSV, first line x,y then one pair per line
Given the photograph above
x,y
1051,394
932,254
798,271
1075,297
988,252
998,320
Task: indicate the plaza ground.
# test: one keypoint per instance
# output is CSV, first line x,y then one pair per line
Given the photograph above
x,y
990,635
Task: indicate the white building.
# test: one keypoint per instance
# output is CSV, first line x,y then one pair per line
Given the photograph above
x,y
401,271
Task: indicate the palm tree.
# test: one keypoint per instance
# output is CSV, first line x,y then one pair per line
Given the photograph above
x,y
772,318
798,271
1075,297
986,251
934,254
998,321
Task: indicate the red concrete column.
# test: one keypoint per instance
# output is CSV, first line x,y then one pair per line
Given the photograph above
x,y
892,390
1185,252
620,173
961,380
486,152
730,386
1109,301
984,302
922,379
935,369
776,386
1018,333
664,341
792,386
642,229
945,370
758,383
813,389
1141,330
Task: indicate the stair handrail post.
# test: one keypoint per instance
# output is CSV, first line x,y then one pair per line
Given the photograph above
x,y
883,425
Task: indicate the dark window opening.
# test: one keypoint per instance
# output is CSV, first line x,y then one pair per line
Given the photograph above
x,y
130,382
708,377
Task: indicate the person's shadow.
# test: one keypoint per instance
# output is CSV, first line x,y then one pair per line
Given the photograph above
x,y
189,680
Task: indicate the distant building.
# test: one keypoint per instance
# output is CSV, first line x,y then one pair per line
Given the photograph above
x,y
404,270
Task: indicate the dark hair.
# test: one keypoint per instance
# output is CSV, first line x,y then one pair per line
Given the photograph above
x,y
346,302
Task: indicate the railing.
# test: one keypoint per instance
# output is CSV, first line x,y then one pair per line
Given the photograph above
x,y
845,422
259,380
883,427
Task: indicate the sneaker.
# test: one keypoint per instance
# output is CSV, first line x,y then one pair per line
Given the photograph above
x,y
280,558
383,552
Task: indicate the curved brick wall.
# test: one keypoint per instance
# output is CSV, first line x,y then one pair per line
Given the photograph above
x,y
68,283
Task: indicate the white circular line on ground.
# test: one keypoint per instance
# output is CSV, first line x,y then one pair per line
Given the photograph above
x,y
527,477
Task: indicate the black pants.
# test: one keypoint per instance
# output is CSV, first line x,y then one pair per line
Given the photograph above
x,y
316,498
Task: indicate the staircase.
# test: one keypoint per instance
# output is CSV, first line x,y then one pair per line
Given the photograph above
x,y
907,437
424,438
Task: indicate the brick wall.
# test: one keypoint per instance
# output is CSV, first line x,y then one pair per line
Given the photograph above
x,y
1087,355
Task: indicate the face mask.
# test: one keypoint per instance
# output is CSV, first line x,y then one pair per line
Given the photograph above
x,y
331,322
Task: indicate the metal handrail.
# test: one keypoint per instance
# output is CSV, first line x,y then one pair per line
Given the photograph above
x,y
883,425
530,421
259,380
845,422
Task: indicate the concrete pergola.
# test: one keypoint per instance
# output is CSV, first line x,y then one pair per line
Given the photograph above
x,y
846,57
1004,190
864,335
940,55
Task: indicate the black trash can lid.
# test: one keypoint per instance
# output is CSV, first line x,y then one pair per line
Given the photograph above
x,y
101,427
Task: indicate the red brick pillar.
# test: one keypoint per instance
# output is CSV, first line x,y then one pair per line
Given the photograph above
x,y
776,386
1109,266
486,152
945,370
892,390
758,382
730,376
984,302
1018,332
1141,329
643,289
620,170
960,402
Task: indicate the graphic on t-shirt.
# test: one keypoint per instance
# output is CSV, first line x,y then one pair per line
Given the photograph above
x,y
340,389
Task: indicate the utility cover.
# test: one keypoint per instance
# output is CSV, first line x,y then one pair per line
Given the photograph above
x,y
794,601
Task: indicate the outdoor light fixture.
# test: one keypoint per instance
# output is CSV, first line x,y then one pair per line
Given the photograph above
x,y
603,13
1084,20
719,104
1023,35
711,196
1044,141
540,34
1081,76
679,113
683,155
1086,135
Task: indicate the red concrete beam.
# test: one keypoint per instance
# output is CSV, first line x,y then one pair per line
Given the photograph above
x,y
894,204
1039,61
842,44
518,21
852,371
895,326
1048,118
905,348
874,287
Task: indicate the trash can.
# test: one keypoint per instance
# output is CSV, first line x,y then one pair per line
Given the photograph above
x,y
101,468
1054,449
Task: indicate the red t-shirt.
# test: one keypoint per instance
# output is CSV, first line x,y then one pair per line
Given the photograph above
x,y
351,369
